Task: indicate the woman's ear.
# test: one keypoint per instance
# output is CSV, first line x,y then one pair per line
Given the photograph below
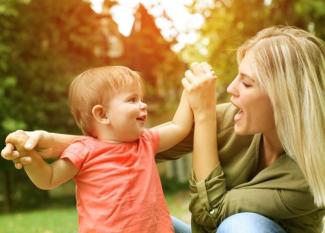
x,y
100,115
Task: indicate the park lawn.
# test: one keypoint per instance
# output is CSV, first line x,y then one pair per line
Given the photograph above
x,y
64,219
61,220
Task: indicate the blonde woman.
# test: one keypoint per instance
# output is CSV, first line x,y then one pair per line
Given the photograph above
x,y
258,162
270,162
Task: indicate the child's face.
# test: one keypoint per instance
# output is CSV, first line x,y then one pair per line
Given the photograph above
x,y
127,114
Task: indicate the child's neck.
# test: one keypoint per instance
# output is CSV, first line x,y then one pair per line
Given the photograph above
x,y
107,136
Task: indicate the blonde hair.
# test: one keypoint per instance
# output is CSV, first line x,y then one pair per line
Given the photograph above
x,y
290,66
98,86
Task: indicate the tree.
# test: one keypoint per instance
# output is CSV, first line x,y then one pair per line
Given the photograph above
x,y
229,23
44,43
149,53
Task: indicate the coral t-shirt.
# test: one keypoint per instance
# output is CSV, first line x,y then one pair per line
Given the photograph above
x,y
118,188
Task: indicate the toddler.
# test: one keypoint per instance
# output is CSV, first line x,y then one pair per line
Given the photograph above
x,y
117,183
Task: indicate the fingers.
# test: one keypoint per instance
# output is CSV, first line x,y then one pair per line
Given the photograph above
x,y
23,160
18,166
7,151
202,71
20,162
198,68
199,74
190,77
32,140
16,145
186,84
17,139
24,139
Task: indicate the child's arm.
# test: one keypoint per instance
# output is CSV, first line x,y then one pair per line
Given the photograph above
x,y
49,176
42,174
173,132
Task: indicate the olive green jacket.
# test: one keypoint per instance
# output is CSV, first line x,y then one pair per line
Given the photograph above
x,y
279,191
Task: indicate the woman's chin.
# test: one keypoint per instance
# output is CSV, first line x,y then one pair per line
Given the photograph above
x,y
239,130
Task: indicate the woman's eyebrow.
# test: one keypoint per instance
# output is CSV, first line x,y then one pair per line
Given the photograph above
x,y
246,76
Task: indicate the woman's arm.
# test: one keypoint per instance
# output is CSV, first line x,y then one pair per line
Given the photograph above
x,y
200,86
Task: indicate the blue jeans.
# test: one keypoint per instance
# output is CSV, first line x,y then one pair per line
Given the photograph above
x,y
249,223
238,223
180,226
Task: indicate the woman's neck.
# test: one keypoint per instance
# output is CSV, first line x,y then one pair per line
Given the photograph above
x,y
270,150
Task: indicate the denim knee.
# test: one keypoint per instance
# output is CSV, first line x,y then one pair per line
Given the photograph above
x,y
249,223
180,226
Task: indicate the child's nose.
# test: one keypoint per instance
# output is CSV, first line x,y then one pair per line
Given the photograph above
x,y
143,105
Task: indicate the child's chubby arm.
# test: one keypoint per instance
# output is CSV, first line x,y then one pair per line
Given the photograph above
x,y
176,130
49,176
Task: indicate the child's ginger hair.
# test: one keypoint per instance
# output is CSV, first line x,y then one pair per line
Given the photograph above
x,y
98,86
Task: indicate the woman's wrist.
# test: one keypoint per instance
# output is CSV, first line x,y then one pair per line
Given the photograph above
x,y
205,116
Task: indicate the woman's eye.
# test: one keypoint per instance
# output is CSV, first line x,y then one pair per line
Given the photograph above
x,y
246,84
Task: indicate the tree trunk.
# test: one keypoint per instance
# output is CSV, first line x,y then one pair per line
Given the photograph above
x,y
7,191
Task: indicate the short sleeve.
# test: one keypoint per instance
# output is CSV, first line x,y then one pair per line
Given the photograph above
x,y
153,136
76,153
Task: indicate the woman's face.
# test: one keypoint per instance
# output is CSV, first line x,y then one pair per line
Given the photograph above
x,y
255,112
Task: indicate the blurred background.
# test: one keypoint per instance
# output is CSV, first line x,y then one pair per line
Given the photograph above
x,y
44,44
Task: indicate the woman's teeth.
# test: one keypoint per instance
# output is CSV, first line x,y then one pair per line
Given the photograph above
x,y
238,115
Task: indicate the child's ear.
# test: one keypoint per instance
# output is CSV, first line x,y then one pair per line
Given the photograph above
x,y
99,113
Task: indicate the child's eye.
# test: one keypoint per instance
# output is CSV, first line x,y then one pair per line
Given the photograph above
x,y
133,99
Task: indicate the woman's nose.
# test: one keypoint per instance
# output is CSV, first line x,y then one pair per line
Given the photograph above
x,y
232,88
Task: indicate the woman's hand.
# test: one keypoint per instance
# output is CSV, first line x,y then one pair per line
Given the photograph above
x,y
18,143
199,83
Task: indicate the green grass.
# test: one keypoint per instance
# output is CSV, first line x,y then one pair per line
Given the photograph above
x,y
57,219
62,220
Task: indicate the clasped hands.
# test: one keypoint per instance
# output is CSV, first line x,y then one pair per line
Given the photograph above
x,y
199,84
19,144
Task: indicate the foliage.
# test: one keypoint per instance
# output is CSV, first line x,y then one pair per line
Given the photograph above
x,y
229,23
53,40
43,44
149,53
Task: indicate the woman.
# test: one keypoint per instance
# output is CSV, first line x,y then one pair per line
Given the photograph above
x,y
270,140
265,173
